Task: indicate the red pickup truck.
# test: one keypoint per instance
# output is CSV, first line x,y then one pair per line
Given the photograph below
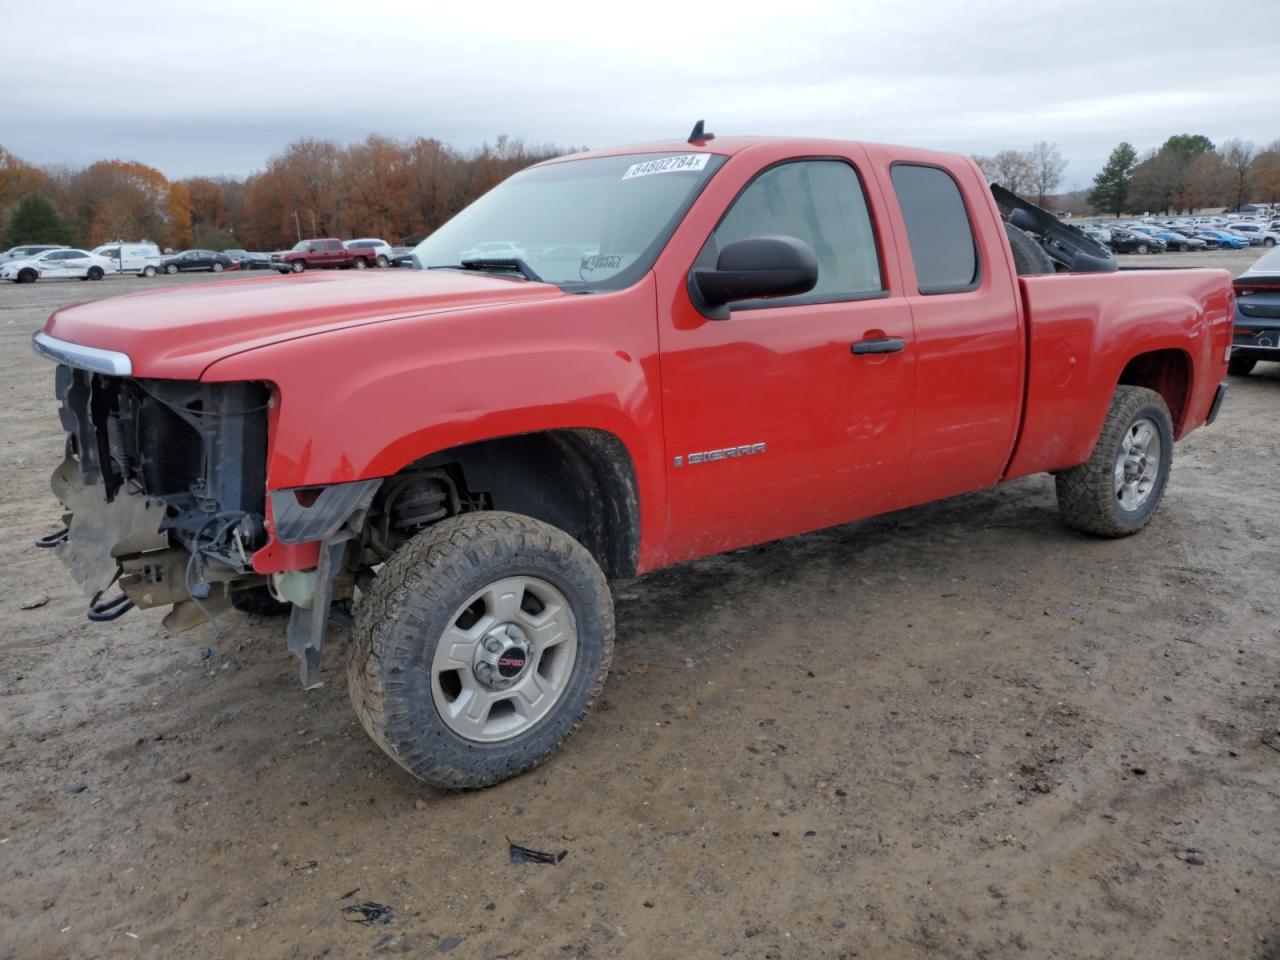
x,y
689,347
325,253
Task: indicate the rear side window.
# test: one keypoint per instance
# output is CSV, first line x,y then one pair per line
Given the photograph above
x,y
820,202
938,229
333,244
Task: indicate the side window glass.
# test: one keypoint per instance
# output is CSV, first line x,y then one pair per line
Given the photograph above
x,y
334,244
820,202
938,229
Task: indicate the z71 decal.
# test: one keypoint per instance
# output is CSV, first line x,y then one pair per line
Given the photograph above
x,y
725,453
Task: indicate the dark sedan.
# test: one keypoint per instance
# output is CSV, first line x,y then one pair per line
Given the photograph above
x,y
196,260
249,260
1127,241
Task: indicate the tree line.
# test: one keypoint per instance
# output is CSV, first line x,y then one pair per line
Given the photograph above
x,y
1185,173
378,187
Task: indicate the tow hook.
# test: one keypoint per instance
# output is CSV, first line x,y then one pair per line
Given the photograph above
x,y
112,609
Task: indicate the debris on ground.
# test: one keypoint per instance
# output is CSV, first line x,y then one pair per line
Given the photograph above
x,y
349,894
367,912
34,601
1190,856
521,854
182,777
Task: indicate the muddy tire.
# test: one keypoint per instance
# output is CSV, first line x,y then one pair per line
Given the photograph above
x,y
466,632
1241,366
260,602
1029,258
1117,490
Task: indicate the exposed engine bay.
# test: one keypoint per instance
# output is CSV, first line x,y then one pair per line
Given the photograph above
x,y
164,488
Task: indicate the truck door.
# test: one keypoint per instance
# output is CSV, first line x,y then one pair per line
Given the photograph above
x,y
970,355
773,423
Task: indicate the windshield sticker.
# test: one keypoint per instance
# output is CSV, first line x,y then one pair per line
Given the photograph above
x,y
601,262
689,161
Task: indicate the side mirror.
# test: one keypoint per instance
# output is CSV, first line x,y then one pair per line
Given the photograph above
x,y
756,267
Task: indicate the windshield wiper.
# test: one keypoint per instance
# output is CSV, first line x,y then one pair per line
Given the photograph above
x,y
502,263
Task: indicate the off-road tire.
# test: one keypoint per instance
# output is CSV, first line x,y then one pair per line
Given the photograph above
x,y
260,602
1241,366
1087,495
1029,258
400,621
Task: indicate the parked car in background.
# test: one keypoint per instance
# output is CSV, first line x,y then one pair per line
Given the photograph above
x,y
325,253
491,250
142,259
402,257
247,260
380,249
1256,334
1222,239
64,263
1172,239
1124,240
1257,234
26,251
1094,232
190,260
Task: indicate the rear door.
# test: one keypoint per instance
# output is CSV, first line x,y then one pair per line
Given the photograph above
x,y
773,424
335,255
970,354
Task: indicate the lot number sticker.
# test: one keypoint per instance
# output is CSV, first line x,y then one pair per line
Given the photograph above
x,y
689,161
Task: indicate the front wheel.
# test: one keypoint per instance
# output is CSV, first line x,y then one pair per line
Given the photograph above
x,y
298,266
1269,242
1241,366
1117,490
95,273
480,647
27,276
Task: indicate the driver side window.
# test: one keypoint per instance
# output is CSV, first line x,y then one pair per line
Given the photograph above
x,y
822,203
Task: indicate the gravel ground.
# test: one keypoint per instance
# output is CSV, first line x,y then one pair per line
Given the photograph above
x,y
955,731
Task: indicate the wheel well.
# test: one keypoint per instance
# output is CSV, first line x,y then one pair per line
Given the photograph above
x,y
1168,373
579,480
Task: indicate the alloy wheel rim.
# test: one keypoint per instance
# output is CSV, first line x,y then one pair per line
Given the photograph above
x,y
504,660
1137,466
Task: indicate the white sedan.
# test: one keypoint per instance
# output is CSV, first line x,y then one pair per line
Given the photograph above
x,y
56,264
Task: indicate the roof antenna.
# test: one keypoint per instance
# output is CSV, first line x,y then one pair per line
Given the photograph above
x,y
698,136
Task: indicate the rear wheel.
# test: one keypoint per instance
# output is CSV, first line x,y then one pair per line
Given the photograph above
x,y
148,272
1117,490
360,263
1143,248
382,260
1241,366
171,269
480,647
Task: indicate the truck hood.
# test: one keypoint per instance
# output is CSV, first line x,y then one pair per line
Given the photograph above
x,y
177,333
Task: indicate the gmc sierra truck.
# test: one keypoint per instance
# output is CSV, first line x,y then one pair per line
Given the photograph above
x,y
702,345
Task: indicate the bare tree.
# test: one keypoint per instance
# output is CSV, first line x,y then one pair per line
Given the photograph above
x,y
1047,165
1238,157
1009,168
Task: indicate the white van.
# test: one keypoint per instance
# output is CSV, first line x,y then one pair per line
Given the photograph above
x,y
142,259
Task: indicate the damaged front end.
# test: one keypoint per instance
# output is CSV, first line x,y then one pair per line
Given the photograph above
x,y
164,490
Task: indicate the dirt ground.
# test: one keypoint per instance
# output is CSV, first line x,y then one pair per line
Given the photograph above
x,y
955,731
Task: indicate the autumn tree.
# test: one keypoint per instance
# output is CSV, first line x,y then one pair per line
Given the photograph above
x,y
1111,186
1267,173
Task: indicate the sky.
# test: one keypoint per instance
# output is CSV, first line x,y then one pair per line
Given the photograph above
x,y
217,88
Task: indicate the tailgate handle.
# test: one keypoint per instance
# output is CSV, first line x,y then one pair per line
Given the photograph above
x,y
878,345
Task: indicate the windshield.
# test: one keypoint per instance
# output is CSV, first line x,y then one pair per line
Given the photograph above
x,y
584,224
